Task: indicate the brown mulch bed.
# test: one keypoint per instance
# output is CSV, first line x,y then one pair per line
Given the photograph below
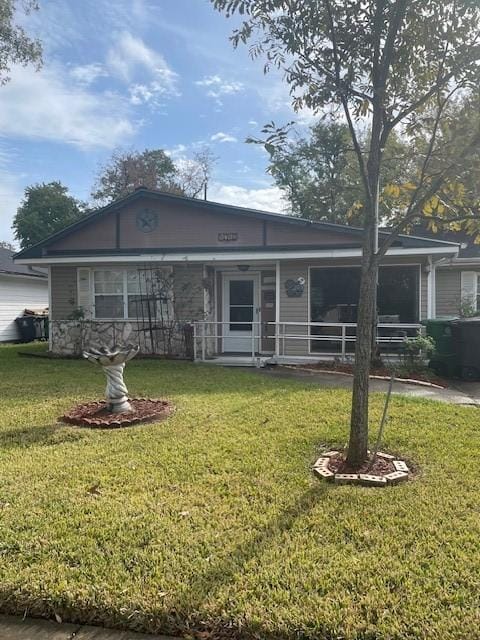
x,y
381,466
344,367
96,414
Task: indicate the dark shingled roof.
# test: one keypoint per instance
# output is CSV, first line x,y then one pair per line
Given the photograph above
x,y
41,249
468,248
9,267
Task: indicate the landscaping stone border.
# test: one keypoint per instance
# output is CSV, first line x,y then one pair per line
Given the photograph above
x,y
96,415
322,469
420,383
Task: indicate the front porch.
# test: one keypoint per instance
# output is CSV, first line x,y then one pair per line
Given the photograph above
x,y
293,311
323,341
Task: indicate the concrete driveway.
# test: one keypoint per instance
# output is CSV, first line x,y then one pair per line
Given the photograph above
x,y
460,392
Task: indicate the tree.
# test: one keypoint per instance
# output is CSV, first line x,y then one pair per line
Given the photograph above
x,y
5,244
16,46
394,66
193,175
320,175
45,209
153,169
128,170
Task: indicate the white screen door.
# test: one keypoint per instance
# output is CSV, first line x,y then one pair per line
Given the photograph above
x,y
240,310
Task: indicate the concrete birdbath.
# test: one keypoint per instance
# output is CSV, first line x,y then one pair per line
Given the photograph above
x,y
113,365
117,410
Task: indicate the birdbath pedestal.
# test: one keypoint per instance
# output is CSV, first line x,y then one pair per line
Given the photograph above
x,y
113,363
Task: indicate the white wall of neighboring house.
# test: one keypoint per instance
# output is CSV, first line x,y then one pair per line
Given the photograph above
x,y
18,293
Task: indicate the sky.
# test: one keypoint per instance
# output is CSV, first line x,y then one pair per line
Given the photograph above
x,y
136,74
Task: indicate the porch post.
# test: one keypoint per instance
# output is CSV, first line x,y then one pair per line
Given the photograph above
x,y
434,290
50,323
277,308
430,284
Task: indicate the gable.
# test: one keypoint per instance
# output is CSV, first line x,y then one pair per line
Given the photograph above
x,y
179,225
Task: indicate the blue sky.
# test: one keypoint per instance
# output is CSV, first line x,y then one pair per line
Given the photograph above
x,y
136,74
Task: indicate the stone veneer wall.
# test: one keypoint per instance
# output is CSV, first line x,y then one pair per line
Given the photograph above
x,y
70,337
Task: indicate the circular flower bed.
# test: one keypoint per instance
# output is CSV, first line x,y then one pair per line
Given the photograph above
x,y
96,414
385,469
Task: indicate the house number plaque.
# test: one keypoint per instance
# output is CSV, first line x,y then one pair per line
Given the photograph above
x,y
227,237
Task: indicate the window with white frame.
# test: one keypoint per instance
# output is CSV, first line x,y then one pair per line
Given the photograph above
x,y
132,294
470,293
109,293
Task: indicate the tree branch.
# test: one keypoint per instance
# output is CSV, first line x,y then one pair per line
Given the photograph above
x,y
344,101
414,209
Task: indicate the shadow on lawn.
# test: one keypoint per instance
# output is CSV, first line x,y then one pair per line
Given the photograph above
x,y
204,588
45,435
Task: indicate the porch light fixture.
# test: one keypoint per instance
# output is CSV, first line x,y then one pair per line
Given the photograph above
x,y
243,267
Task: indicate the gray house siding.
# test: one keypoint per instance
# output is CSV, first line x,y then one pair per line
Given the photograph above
x,y
63,283
449,289
188,291
294,309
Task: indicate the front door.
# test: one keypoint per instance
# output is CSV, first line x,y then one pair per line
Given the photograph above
x,y
240,313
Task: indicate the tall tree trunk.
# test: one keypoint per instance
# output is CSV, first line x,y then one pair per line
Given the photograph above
x,y
358,442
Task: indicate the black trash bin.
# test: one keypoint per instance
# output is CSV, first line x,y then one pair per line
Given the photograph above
x,y
27,327
32,327
466,342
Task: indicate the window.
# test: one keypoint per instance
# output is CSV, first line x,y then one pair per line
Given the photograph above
x,y
133,294
108,286
334,295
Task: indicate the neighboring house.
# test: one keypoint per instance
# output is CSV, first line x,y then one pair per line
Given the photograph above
x,y
21,287
254,284
457,284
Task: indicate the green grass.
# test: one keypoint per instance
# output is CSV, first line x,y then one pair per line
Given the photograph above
x,y
213,521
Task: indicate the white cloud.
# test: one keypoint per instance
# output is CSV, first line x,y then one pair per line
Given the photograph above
x,y
217,87
176,152
11,194
49,106
267,199
145,71
223,137
87,73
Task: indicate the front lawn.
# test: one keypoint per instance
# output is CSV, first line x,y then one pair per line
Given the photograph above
x,y
213,520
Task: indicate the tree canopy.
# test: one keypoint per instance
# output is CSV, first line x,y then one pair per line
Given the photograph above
x,y
153,169
16,46
45,209
319,173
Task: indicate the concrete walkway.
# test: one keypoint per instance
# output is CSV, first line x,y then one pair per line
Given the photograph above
x,y
460,392
13,628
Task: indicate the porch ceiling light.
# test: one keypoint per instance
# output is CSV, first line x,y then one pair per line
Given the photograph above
x,y
243,267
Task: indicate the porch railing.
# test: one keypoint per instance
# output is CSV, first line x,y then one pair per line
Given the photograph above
x,y
314,333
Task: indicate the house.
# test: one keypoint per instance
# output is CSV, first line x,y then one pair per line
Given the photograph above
x,y
254,284
457,286
21,287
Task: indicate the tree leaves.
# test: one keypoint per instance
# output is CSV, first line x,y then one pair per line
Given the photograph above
x,y
46,208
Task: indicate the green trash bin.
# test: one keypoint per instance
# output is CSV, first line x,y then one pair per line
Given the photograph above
x,y
445,361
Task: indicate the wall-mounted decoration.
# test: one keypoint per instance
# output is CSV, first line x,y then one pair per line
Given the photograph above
x,y
295,288
268,277
227,237
147,220
269,295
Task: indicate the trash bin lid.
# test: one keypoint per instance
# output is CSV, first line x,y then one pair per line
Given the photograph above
x,y
474,320
440,320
